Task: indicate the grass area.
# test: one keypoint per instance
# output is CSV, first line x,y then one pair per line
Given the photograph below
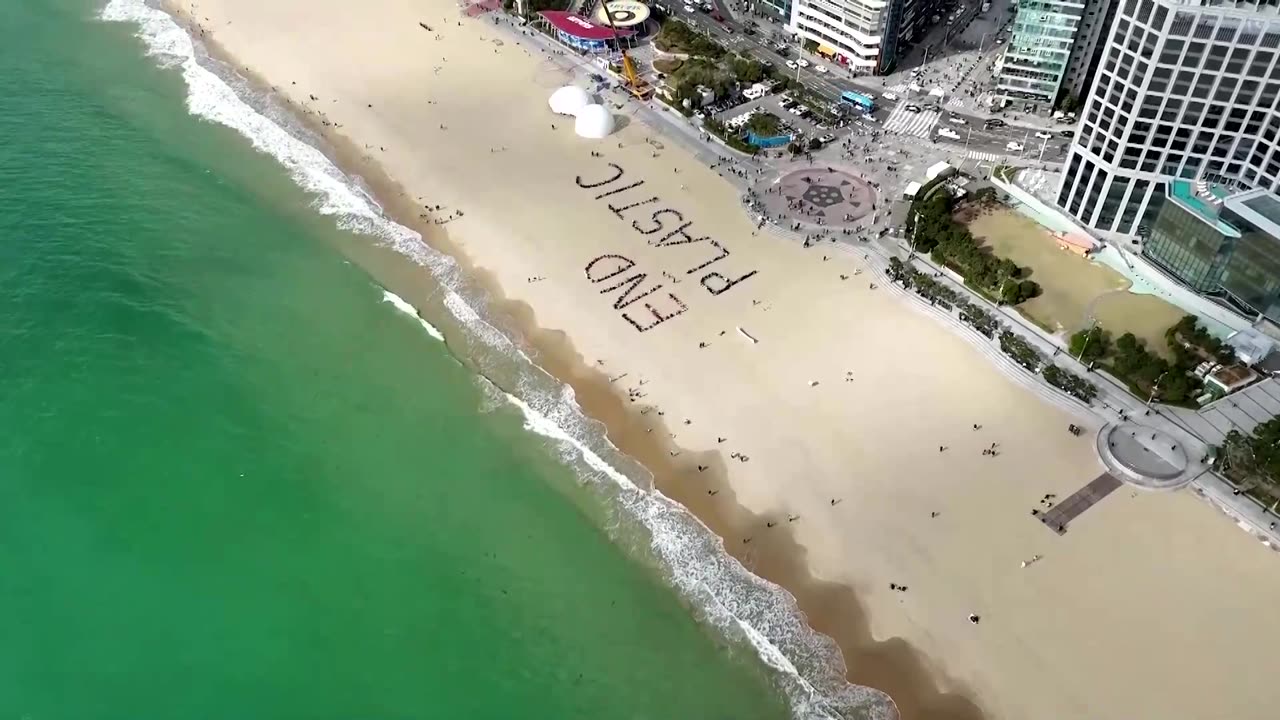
x,y
678,37
1146,316
668,65
1074,289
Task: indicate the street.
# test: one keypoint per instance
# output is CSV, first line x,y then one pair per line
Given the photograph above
x,y
955,58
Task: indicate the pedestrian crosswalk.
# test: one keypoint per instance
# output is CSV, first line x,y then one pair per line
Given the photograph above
x,y
918,124
988,156
955,102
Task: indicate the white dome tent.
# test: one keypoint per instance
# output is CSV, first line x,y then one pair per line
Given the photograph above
x,y
594,121
569,100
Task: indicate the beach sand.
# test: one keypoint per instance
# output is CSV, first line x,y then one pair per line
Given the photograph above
x,y
1151,606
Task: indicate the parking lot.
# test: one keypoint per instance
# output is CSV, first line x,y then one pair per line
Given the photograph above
x,y
791,123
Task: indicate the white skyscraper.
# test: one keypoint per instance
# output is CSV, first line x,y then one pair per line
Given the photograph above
x,y
1186,89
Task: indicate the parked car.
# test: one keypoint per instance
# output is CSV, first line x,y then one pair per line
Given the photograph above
x,y
1044,135
947,132
1013,147
690,9
802,63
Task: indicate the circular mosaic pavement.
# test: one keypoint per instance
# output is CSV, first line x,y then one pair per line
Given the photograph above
x,y
827,195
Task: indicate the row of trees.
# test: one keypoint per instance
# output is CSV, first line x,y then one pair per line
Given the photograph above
x,y
1022,352
951,244
1070,383
985,322
1146,372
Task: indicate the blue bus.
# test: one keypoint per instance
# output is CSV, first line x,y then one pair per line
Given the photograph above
x,y
857,99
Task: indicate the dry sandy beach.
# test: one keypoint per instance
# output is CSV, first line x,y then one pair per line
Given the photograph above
x,y
1151,606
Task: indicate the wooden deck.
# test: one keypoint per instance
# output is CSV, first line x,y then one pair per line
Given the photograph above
x,y
1058,518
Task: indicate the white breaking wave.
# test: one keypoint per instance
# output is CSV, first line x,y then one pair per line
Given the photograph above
x,y
411,311
737,603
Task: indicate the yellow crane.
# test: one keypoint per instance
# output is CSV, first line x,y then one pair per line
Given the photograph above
x,y
636,85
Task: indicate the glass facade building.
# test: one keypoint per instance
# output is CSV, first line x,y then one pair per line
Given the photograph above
x,y
1222,245
1035,60
1186,89
780,9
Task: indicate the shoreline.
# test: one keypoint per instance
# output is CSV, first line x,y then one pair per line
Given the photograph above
x,y
891,666
912,676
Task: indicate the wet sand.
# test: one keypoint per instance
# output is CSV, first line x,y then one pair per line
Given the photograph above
x,y
846,395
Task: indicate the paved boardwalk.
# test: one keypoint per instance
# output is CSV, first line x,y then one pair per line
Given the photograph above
x,y
1086,497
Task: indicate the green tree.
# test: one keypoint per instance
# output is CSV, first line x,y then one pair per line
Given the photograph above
x,y
764,124
1091,344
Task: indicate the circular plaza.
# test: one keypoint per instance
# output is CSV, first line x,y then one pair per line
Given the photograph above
x,y
823,196
1144,456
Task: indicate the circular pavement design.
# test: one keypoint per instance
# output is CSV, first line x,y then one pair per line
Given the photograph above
x,y
836,198
1145,453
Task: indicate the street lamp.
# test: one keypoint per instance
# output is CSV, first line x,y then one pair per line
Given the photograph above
x,y
1087,337
915,230
1156,386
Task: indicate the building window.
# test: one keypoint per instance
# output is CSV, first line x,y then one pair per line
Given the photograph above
x,y
1136,197
1204,27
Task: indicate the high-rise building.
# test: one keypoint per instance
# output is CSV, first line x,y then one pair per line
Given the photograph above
x,y
1086,51
1187,89
1222,244
1035,60
867,36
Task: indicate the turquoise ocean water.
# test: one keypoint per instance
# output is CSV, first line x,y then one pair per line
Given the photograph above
x,y
239,480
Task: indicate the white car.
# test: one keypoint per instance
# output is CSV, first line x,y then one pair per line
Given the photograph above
x,y
1013,147
792,64
820,68
947,132
1044,135
802,62
957,120
890,97
690,9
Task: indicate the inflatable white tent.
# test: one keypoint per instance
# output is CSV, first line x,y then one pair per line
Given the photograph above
x,y
569,100
594,122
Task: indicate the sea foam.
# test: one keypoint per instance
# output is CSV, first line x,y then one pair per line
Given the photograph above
x,y
740,605
404,307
